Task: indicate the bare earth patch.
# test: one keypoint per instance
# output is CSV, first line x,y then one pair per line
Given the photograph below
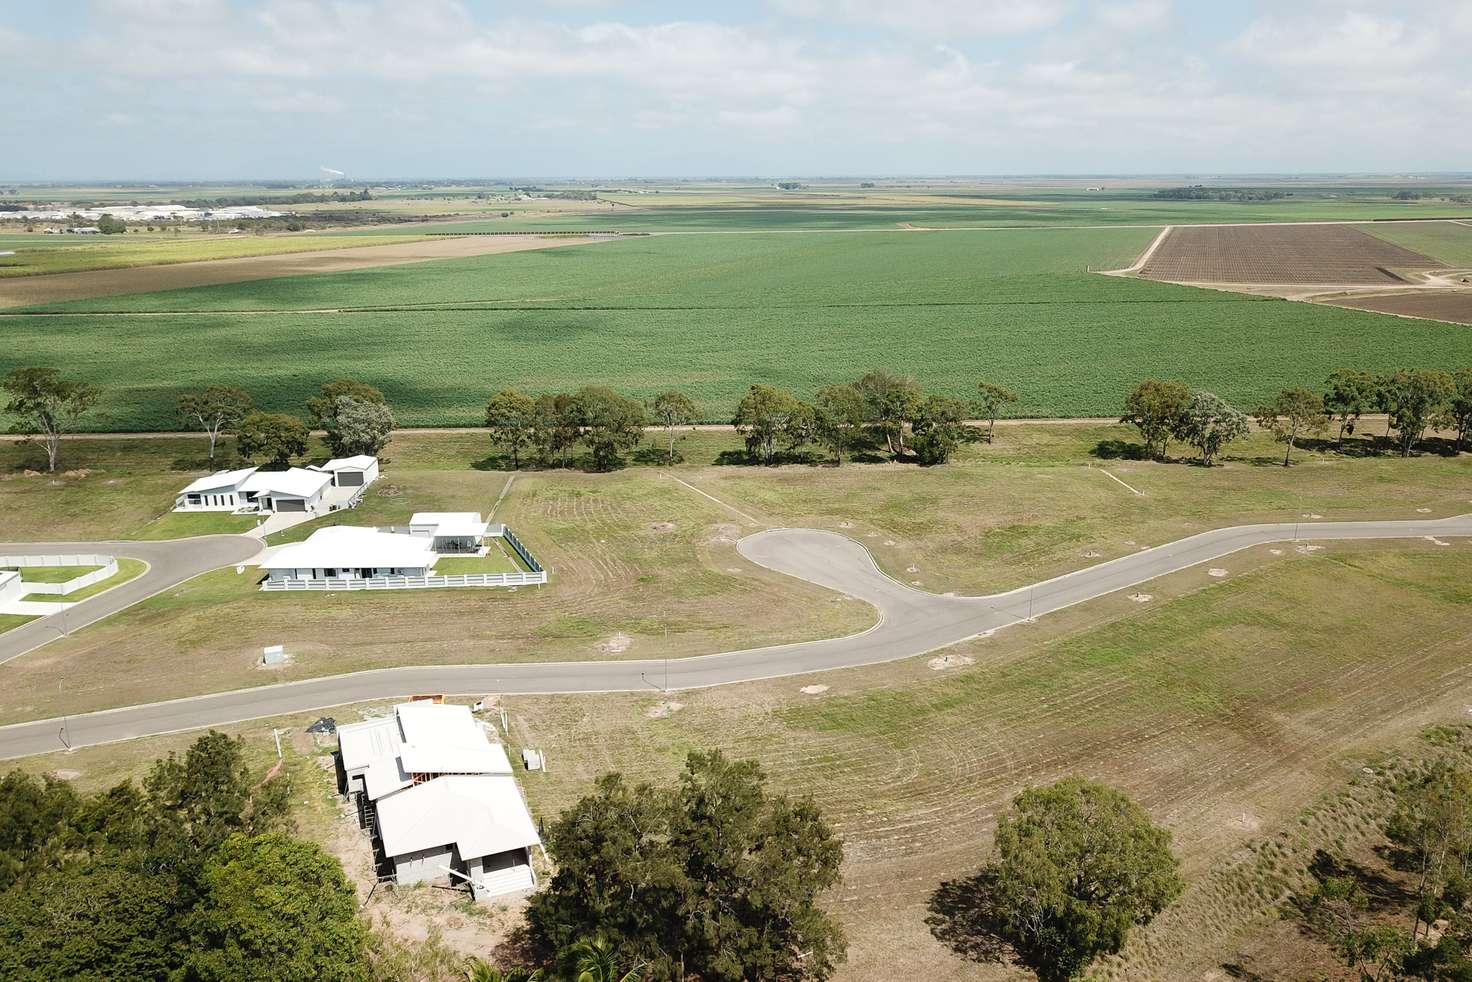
x,y
945,662
28,291
618,643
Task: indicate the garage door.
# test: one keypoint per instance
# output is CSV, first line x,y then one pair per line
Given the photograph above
x,y
350,479
290,504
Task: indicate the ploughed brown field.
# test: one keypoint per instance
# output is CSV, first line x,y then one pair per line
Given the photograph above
x,y
1328,254
58,287
1441,305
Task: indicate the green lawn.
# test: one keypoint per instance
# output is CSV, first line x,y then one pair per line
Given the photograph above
x,y
494,562
178,525
127,570
710,314
9,621
51,574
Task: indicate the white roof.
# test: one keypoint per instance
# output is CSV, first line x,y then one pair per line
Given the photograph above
x,y
361,462
219,480
419,738
481,814
457,523
362,743
298,482
343,546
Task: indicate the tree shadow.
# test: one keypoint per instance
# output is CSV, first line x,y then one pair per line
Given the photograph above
x,y
1236,970
962,917
1118,450
655,457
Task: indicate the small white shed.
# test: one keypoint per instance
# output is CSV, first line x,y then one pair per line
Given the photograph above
x,y
351,472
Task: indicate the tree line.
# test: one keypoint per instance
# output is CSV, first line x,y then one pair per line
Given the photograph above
x,y
1413,401
878,413
355,416
878,410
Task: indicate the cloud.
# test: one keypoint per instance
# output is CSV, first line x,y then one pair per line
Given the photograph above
x,y
1134,15
933,86
934,19
1356,41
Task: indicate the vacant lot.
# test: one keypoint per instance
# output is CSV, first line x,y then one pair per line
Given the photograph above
x,y
711,314
1226,706
1288,254
643,566
181,267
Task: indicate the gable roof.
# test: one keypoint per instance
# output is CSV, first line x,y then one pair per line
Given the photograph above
x,y
220,480
340,546
361,462
297,482
480,814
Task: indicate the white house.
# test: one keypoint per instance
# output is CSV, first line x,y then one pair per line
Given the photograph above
x,y
351,472
450,531
295,489
351,551
220,491
441,798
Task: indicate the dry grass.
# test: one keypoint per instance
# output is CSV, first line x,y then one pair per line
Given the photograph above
x,y
1233,709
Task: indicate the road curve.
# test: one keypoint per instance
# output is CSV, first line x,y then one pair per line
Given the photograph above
x,y
170,562
911,622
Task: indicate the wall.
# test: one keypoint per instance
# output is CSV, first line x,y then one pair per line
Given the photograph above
x,y
424,866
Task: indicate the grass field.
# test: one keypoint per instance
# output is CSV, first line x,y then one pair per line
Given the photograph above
x,y
492,562
177,525
1450,242
643,566
127,570
1239,712
8,621
52,574
37,254
714,313
741,209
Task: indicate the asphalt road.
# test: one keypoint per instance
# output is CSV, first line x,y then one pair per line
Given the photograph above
x,y
169,563
911,622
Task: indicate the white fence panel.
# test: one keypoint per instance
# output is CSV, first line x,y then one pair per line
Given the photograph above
x,y
408,582
108,564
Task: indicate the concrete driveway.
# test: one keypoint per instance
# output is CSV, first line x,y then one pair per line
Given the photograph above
x,y
170,562
911,622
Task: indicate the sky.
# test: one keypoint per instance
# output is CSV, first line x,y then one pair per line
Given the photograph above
x,y
222,89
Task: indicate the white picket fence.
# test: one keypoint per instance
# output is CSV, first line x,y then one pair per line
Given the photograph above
x,y
408,582
109,568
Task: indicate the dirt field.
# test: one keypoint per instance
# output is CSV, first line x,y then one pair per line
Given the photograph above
x,y
32,290
1281,254
1441,305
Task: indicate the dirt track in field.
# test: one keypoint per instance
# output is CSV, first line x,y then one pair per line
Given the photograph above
x,y
1257,254
28,291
